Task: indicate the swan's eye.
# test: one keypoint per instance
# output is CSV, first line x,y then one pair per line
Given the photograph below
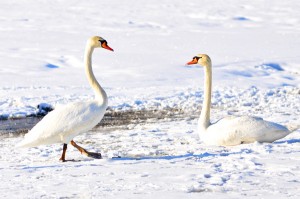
x,y
197,58
103,42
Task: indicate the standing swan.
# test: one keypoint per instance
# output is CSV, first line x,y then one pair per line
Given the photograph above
x,y
66,122
232,130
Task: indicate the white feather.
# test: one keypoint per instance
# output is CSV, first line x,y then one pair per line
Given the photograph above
x,y
65,122
232,130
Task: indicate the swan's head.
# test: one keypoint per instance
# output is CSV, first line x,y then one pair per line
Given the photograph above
x,y
201,59
99,42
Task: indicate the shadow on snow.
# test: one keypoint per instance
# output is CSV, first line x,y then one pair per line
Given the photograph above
x,y
185,156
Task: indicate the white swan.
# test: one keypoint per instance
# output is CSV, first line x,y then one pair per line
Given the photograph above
x,y
232,130
65,122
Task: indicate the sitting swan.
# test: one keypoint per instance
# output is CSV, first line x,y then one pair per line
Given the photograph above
x,y
232,130
66,122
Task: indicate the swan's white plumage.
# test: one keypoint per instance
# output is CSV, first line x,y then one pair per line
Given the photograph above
x,y
232,130
65,122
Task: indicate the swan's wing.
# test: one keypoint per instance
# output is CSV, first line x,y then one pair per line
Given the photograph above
x,y
63,123
236,130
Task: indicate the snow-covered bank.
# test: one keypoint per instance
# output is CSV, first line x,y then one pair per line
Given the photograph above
x,y
277,104
165,159
171,163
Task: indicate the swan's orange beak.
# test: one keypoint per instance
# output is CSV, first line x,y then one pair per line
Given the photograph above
x,y
104,45
194,61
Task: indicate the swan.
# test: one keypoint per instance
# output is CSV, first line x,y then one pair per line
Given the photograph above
x,y
65,122
232,130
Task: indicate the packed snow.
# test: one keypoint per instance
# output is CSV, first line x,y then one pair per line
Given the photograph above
x,y
254,46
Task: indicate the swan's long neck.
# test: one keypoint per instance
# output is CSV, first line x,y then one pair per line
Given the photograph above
x,y
204,120
100,94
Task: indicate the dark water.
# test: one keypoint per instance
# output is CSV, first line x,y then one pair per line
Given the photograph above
x,y
115,119
13,127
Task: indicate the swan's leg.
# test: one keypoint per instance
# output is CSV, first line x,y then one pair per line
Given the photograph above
x,y
63,155
85,152
82,150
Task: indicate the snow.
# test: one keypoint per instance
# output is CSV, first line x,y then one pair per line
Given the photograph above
x,y
254,48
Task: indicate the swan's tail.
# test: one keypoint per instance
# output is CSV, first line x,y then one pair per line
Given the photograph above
x,y
22,144
26,143
293,128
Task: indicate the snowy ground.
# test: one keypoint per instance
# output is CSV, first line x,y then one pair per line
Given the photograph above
x,y
254,47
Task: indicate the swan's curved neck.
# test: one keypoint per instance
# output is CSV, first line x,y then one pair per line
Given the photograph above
x,y
204,120
100,94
